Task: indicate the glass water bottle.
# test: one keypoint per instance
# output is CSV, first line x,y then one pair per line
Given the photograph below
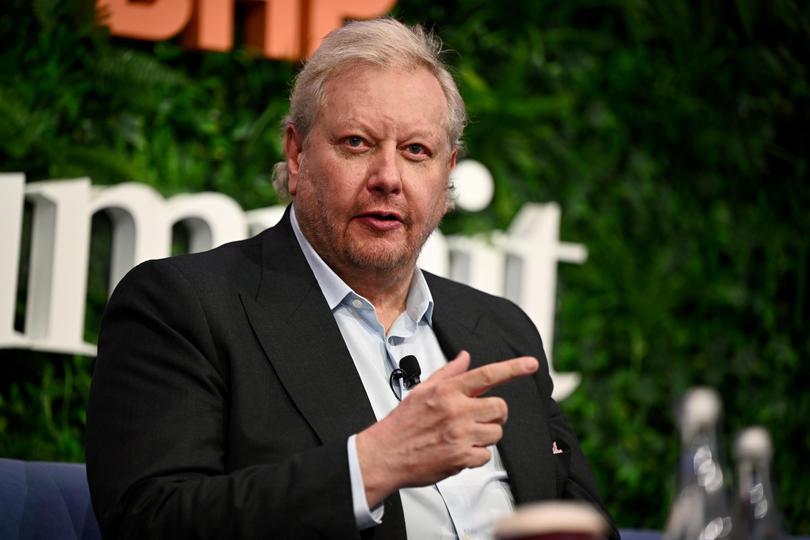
x,y
700,510
757,516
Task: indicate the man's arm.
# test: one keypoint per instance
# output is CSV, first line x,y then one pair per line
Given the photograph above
x,y
157,421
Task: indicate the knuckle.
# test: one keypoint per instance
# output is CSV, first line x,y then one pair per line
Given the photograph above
x,y
436,399
479,457
431,402
445,408
501,408
487,377
454,434
494,409
448,405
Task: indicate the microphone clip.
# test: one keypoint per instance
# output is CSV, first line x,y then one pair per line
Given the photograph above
x,y
409,371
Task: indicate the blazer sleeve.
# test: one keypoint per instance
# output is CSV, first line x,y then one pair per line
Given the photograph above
x,y
156,432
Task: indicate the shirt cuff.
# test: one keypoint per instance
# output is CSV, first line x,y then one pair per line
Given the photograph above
x,y
364,517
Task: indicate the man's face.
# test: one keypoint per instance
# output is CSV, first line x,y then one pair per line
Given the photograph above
x,y
370,180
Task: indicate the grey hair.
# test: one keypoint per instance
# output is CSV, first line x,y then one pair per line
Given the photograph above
x,y
382,42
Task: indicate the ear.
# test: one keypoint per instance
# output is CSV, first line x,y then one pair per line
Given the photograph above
x,y
293,150
449,203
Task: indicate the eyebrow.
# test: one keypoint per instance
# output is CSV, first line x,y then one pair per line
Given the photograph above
x,y
353,120
421,134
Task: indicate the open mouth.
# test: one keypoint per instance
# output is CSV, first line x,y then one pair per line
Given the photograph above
x,y
381,221
382,216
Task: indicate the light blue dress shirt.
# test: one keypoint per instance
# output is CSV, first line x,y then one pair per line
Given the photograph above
x,y
461,506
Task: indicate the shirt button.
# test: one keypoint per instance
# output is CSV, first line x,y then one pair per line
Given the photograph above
x,y
357,303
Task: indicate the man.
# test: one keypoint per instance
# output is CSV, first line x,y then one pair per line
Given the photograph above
x,y
248,391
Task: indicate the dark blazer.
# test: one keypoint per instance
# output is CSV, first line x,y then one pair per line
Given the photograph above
x,y
223,396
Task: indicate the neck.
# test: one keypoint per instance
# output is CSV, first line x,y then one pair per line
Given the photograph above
x,y
386,290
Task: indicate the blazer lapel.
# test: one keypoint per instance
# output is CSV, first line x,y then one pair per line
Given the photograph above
x,y
303,343
526,444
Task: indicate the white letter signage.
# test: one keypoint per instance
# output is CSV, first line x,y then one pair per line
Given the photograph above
x,y
520,264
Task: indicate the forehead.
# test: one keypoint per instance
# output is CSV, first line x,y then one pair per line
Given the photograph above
x,y
397,95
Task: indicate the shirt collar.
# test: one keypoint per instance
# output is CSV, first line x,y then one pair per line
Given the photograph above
x,y
418,305
334,289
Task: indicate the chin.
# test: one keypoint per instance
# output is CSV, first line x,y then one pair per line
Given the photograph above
x,y
381,259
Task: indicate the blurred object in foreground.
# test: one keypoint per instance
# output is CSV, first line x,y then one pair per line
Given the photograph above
x,y
558,520
700,510
757,515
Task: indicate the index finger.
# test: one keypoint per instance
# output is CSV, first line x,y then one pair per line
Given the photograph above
x,y
477,381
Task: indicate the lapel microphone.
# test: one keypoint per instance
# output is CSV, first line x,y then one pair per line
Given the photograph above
x,y
409,371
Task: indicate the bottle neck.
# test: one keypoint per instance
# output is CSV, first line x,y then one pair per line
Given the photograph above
x,y
700,461
754,480
757,514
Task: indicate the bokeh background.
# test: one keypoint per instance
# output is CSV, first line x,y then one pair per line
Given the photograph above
x,y
674,135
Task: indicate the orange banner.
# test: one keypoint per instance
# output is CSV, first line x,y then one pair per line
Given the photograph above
x,y
280,29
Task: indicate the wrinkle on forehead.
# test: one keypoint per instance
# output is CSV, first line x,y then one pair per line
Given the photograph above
x,y
414,75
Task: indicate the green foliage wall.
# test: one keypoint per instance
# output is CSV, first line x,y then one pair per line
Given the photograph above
x,y
673,134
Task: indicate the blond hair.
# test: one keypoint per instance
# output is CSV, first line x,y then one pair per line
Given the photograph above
x,y
381,42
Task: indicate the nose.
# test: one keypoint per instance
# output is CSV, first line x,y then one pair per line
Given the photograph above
x,y
384,174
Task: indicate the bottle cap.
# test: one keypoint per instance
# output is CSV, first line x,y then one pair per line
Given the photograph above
x,y
753,443
701,408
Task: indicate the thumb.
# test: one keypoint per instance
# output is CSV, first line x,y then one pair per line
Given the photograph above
x,y
456,366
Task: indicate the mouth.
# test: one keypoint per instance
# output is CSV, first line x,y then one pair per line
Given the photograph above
x,y
382,215
381,220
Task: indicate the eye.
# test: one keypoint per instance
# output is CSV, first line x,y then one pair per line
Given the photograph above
x,y
354,141
417,150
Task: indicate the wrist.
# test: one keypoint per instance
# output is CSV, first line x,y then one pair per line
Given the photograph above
x,y
379,476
